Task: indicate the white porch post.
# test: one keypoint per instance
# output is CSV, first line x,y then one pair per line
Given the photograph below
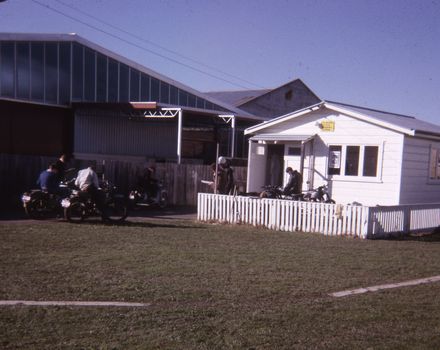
x,y
179,136
233,137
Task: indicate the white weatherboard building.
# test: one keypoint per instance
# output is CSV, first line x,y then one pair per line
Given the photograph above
x,y
365,156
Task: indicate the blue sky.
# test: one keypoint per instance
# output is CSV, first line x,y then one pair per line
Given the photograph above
x,y
378,54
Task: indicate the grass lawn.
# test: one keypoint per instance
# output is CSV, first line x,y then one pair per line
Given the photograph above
x,y
213,287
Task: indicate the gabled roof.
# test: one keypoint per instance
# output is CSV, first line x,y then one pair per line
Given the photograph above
x,y
294,81
73,37
397,122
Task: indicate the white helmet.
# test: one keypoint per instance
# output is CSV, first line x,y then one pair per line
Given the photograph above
x,y
221,160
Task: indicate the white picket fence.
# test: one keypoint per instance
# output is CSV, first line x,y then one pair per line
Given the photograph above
x,y
328,219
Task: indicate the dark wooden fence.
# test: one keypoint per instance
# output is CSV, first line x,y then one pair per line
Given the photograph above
x,y
18,173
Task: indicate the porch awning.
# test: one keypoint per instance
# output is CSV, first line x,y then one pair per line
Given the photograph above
x,y
281,137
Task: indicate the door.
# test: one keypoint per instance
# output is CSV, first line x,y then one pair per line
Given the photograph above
x,y
274,165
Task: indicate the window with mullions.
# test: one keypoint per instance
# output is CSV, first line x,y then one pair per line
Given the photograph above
x,y
353,160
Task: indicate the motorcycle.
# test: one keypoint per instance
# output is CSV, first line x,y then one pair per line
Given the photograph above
x,y
138,198
319,194
276,192
80,205
40,205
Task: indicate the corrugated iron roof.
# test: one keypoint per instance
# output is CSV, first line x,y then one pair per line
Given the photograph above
x,y
237,98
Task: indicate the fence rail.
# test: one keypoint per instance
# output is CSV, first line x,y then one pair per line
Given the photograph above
x,y
328,219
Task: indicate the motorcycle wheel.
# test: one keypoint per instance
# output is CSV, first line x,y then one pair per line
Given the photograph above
x,y
75,213
331,201
163,202
115,211
37,209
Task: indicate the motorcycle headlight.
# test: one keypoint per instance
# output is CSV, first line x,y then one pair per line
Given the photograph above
x,y
25,198
65,203
132,196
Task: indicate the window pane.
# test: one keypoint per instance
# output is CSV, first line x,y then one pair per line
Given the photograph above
x,y
174,95
191,100
145,88
164,92
209,105
23,70
113,78
64,83
7,69
37,71
89,75
123,83
78,72
370,160
51,72
334,160
294,151
352,161
183,98
200,103
101,78
134,85
155,90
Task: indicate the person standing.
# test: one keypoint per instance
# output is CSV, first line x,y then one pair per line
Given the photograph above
x,y
227,177
294,183
61,165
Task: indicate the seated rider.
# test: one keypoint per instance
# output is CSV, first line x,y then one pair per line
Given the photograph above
x,y
48,180
148,183
87,181
294,183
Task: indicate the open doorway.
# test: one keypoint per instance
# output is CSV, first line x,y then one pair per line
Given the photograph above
x,y
274,165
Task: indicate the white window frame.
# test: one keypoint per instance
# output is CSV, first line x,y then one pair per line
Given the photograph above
x,y
359,177
434,163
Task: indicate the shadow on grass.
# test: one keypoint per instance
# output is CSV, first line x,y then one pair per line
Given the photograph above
x,y
432,236
139,224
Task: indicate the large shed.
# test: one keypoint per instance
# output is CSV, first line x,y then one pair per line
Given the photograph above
x,y
63,93
366,156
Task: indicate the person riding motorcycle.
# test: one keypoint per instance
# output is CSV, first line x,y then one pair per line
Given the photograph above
x,y
48,180
87,181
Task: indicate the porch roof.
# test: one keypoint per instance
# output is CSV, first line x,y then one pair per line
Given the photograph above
x,y
281,137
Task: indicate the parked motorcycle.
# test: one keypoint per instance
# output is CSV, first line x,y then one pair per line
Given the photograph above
x,y
276,192
319,194
138,198
80,205
40,205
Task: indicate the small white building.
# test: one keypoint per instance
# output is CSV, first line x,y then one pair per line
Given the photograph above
x,y
365,156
